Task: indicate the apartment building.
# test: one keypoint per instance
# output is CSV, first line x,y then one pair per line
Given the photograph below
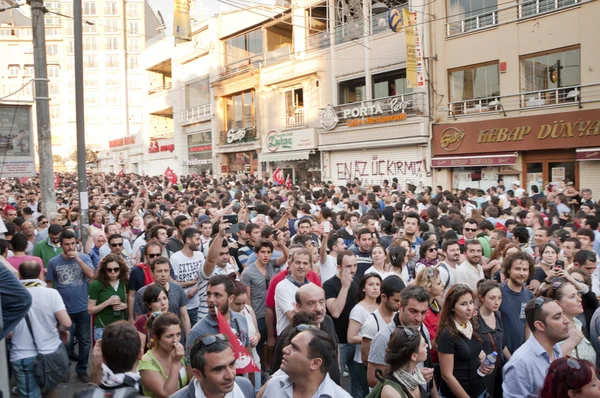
x,y
518,90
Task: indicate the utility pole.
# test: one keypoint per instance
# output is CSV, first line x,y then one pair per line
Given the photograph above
x,y
80,119
42,110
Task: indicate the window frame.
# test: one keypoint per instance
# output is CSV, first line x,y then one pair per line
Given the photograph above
x,y
226,113
468,67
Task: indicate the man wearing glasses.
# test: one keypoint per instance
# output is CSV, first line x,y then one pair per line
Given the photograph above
x,y
141,275
213,366
525,372
115,243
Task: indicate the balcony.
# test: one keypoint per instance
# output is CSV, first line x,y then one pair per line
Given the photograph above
x,y
238,136
295,120
536,7
550,98
480,21
194,114
159,88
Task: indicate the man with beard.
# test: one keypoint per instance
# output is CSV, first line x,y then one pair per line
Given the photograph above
x,y
185,265
219,296
525,372
310,309
213,368
514,299
285,291
447,268
470,272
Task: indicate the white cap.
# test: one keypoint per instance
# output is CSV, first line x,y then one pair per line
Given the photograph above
x,y
517,183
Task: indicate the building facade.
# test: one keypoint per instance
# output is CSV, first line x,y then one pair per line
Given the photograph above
x,y
526,105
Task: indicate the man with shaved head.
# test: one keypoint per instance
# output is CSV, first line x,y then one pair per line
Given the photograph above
x,y
28,230
310,309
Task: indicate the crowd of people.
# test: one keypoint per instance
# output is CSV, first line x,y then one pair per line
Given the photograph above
x,y
393,291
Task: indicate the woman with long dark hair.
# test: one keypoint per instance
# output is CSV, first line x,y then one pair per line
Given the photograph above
x,y
156,301
459,346
572,378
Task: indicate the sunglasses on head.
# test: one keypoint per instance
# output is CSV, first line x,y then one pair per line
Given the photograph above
x,y
304,327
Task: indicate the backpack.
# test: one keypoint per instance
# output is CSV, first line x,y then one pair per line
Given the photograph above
x,y
376,391
126,390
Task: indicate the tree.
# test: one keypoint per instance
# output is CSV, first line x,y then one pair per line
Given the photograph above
x,y
90,156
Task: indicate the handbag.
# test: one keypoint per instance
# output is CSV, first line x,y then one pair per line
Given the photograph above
x,y
50,369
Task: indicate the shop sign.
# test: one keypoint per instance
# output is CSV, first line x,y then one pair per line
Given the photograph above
x,y
129,140
195,162
154,147
200,148
393,109
282,141
575,129
588,155
463,161
234,135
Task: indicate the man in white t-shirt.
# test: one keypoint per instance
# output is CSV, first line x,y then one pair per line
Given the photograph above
x,y
470,272
285,292
217,263
447,268
517,189
185,266
47,308
336,244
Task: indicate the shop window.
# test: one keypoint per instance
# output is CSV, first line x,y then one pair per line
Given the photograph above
x,y
473,87
239,110
390,84
197,93
352,91
244,49
468,15
545,76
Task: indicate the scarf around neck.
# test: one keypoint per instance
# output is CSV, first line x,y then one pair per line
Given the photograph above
x,y
110,379
408,380
466,331
428,263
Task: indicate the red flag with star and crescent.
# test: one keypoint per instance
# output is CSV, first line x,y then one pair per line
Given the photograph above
x,y
243,360
171,176
288,182
278,176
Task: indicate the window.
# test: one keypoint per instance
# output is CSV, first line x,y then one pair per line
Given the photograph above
x,y
51,20
91,98
135,98
468,15
133,61
534,7
53,32
550,71
390,84
53,71
113,97
239,110
113,82
70,46
111,43
294,100
87,28
352,91
111,8
54,111
28,90
90,61
473,83
133,10
113,61
70,64
243,47
197,93
13,70
90,44
28,69
91,83
68,9
89,8
133,44
133,27
69,28
52,50
134,82
54,90
111,25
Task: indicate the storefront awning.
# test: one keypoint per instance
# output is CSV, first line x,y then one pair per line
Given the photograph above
x,y
284,156
501,159
588,154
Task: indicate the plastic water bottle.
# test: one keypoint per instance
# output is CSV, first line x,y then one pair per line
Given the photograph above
x,y
490,360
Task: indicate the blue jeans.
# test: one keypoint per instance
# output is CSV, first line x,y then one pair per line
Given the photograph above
x,y
346,358
98,333
193,315
82,324
27,386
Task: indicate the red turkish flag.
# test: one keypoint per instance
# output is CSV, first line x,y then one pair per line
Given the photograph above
x,y
56,181
288,182
243,360
278,176
121,173
171,176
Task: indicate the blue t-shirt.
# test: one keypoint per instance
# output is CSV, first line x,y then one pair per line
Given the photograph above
x,y
70,281
513,315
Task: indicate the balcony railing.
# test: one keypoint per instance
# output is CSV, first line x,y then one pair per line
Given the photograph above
x,y
158,89
557,97
238,136
294,120
193,114
535,7
472,23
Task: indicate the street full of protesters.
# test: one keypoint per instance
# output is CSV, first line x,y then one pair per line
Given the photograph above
x,y
244,287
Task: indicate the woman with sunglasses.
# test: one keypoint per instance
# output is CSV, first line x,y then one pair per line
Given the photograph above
x,y
162,368
460,346
572,378
428,256
156,301
430,280
565,290
403,379
107,294
492,332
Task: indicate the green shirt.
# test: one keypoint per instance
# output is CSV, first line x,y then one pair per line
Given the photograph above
x,y
149,362
46,252
100,292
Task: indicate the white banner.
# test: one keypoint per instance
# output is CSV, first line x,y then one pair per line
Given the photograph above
x,y
16,142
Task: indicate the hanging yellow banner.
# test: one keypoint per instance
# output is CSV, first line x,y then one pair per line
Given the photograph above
x,y
410,38
182,30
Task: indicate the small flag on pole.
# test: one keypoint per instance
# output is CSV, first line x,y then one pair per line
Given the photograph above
x,y
243,361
